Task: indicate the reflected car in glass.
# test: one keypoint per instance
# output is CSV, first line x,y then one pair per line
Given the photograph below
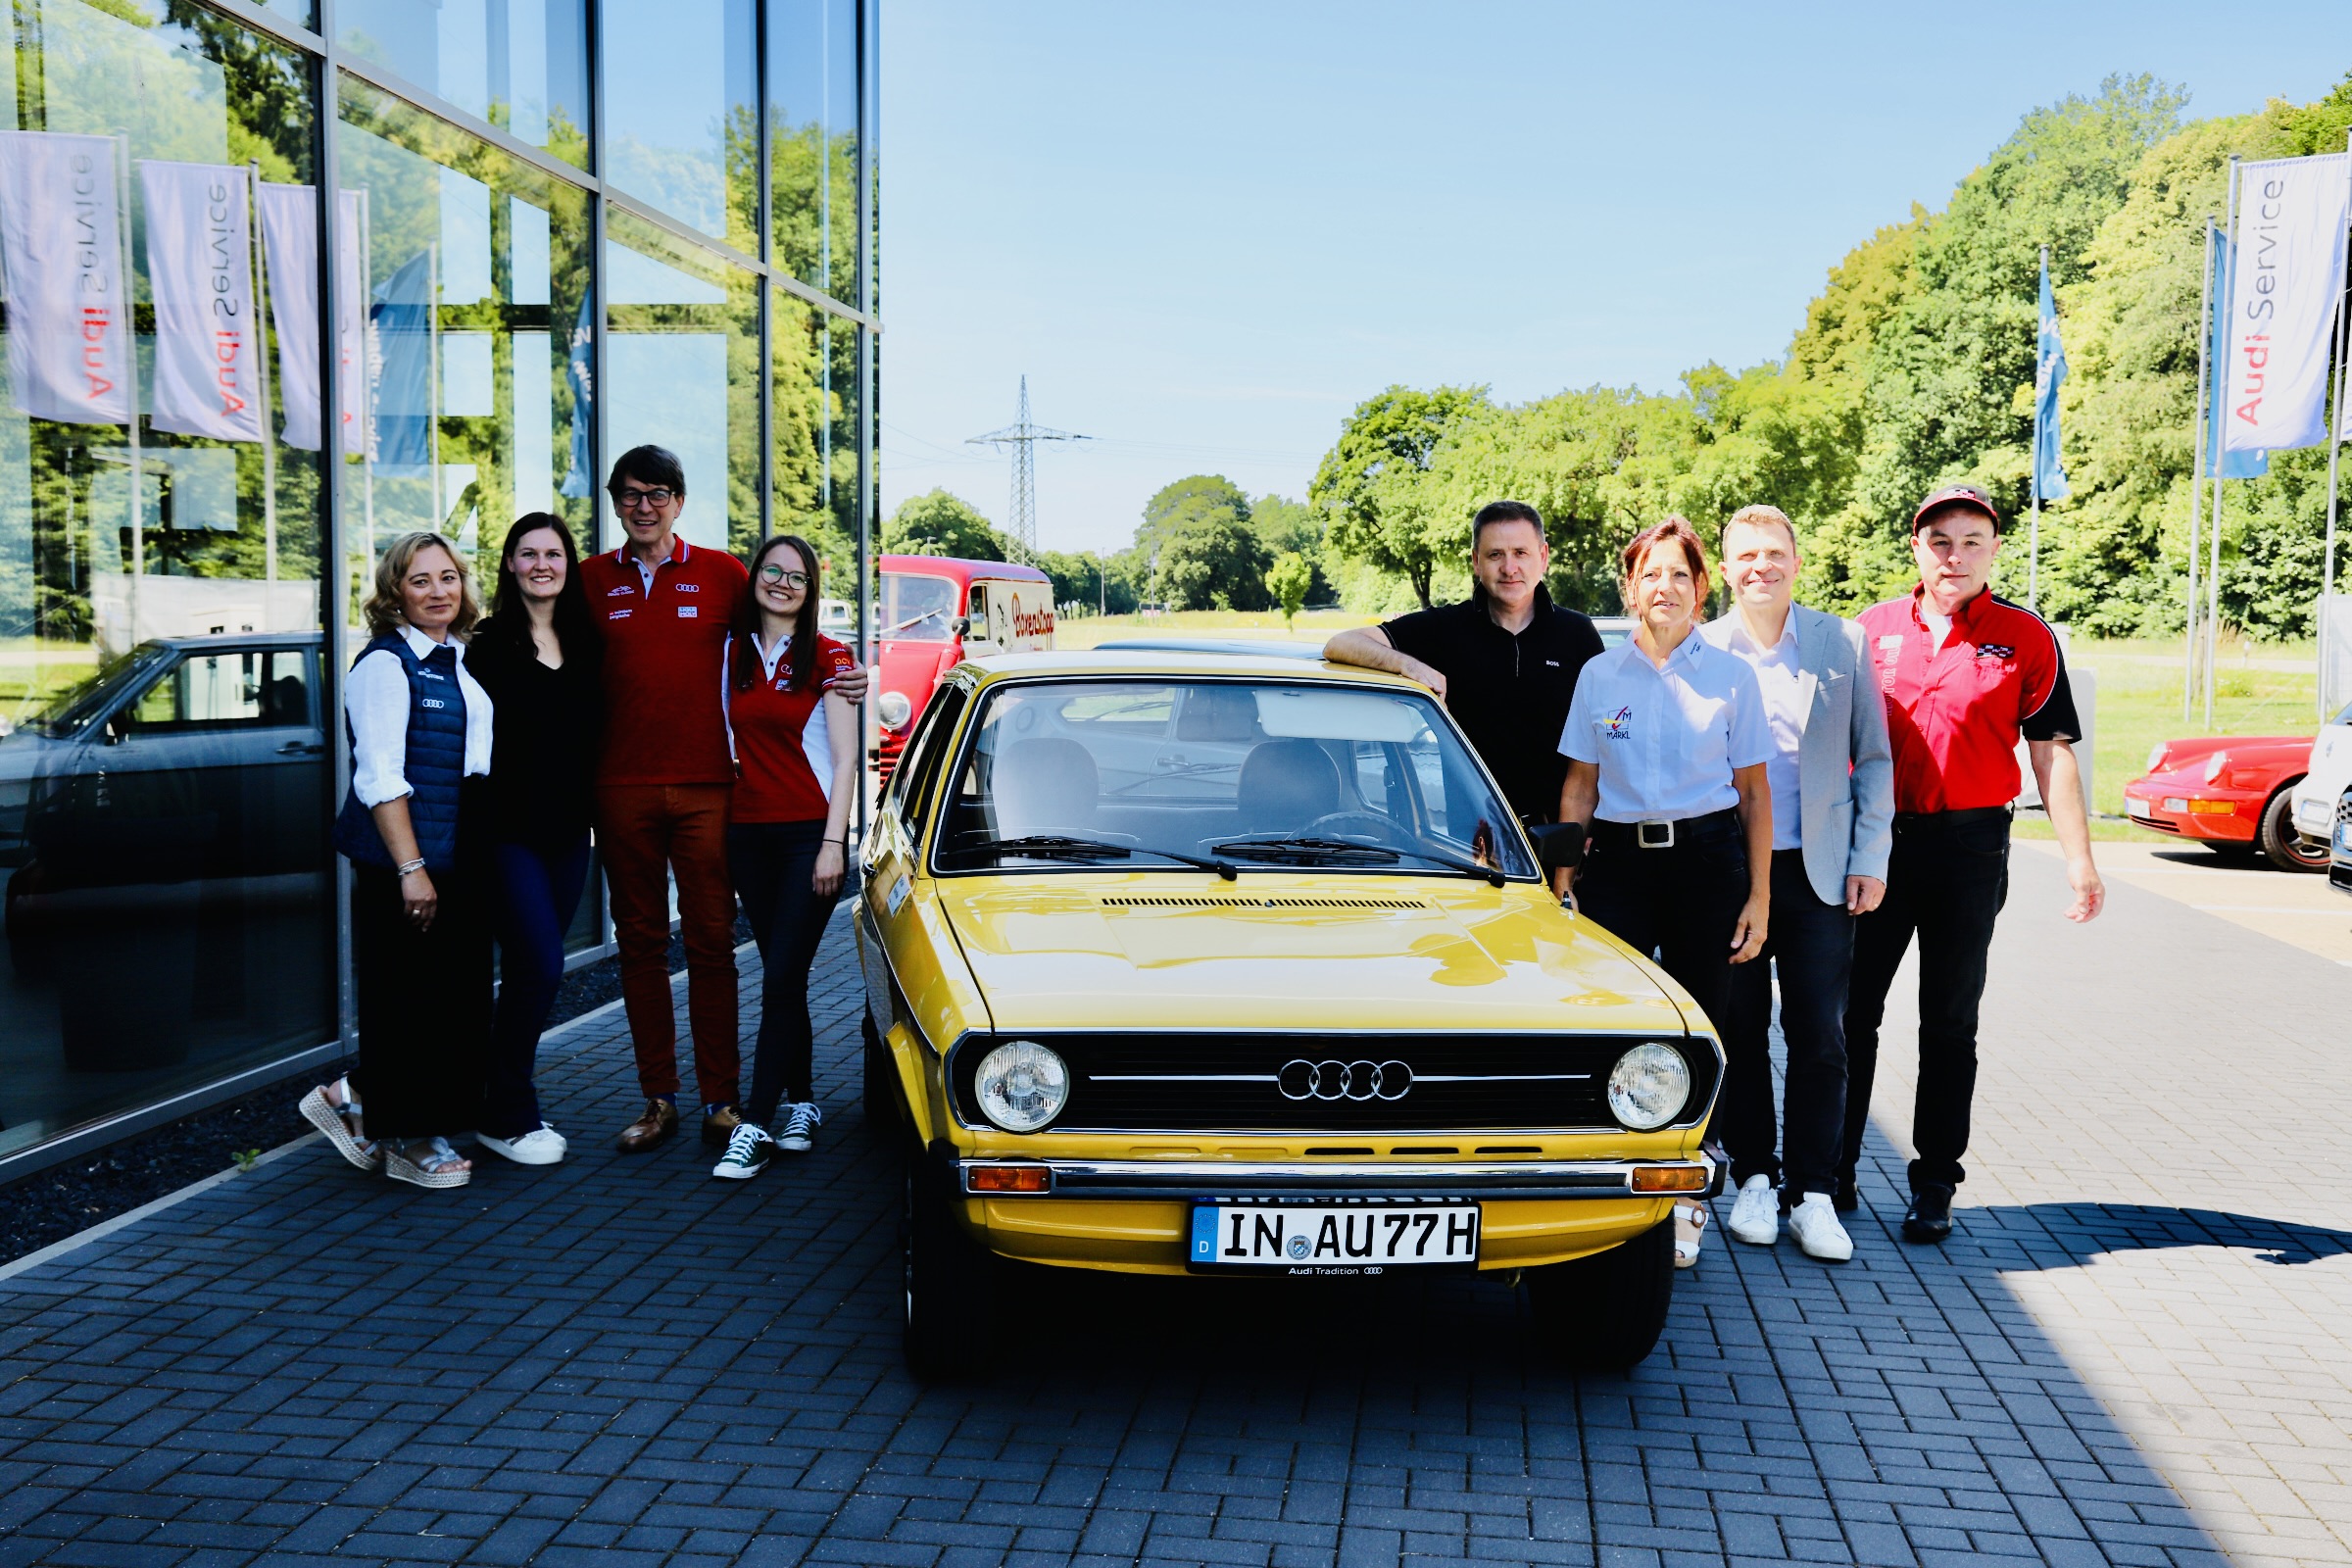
x,y
2340,846
1239,967
2232,794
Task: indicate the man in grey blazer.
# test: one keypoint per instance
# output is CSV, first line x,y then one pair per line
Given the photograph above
x,y
1832,828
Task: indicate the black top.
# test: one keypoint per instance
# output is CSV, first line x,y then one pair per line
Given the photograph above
x,y
545,728
1509,691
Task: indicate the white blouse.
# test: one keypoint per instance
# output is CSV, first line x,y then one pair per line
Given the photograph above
x,y
376,697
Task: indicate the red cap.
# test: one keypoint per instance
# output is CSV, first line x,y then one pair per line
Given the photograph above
x,y
1957,495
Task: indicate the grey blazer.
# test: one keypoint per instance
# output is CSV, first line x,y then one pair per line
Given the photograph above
x,y
1846,769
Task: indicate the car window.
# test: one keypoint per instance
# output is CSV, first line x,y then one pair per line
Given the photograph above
x,y
236,689
918,608
920,766
979,610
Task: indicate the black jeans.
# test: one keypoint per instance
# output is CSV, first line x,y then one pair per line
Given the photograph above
x,y
538,891
1813,945
424,1002
1947,881
1680,905
772,863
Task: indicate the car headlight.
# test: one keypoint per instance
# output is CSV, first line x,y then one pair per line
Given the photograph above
x,y
1648,1086
1021,1086
2216,766
894,710
2156,757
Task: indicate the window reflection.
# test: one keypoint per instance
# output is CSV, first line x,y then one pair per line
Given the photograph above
x,y
163,757
682,371
812,141
522,64
679,96
814,415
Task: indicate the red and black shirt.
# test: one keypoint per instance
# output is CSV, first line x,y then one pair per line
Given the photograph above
x,y
1956,712
664,650
782,737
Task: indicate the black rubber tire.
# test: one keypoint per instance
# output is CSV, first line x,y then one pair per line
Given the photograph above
x,y
2278,839
949,1282
885,1115
1605,1312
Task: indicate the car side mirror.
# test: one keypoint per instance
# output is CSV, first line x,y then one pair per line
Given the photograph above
x,y
117,726
1559,846
961,626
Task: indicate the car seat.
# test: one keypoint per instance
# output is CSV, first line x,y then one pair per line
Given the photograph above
x,y
1049,785
1285,785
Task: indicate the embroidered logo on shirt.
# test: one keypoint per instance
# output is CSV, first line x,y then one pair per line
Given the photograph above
x,y
689,612
624,588
1553,662
432,701
1618,726
687,587
1995,650
622,613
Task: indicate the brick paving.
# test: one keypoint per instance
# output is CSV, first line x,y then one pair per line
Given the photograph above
x,y
2139,1348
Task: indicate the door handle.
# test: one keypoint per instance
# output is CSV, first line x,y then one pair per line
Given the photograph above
x,y
299,749
1169,760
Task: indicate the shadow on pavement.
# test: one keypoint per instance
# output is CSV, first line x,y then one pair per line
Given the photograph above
x,y
2065,1235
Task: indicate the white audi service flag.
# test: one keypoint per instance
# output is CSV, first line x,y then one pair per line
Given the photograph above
x,y
200,272
291,249
2291,213
69,355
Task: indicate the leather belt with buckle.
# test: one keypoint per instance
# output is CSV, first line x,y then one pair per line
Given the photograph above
x,y
1653,835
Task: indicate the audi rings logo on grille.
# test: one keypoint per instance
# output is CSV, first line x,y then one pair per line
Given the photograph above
x,y
1300,1079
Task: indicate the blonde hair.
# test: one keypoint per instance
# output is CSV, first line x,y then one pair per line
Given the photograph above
x,y
384,610
1761,516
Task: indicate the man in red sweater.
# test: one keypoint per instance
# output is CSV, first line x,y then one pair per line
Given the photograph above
x,y
664,784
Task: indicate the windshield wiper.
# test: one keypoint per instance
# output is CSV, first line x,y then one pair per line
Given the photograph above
x,y
1047,846
1311,852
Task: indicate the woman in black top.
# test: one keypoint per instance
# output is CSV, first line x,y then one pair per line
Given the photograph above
x,y
537,657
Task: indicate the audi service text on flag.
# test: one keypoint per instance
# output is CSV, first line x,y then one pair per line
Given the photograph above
x,y
2217,462
68,353
200,272
2291,213
290,248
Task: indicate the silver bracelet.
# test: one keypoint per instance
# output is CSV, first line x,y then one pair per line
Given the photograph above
x,y
406,866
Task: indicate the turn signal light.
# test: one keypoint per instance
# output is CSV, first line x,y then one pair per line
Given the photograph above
x,y
1670,1178
1009,1178
2213,807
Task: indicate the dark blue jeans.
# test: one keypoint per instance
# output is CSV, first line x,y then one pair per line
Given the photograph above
x,y
772,863
538,891
1812,944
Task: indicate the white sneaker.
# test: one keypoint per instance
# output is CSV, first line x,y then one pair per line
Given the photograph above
x,y
1756,1214
541,1146
1814,1224
802,1120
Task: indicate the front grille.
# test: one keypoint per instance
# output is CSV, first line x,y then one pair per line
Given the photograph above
x,y
1236,1083
1214,901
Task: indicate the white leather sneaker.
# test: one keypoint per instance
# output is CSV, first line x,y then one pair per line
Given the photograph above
x,y
1757,1214
1814,1224
541,1146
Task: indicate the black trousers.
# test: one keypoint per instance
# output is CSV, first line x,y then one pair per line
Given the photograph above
x,y
772,863
1812,944
423,1002
1947,882
1679,905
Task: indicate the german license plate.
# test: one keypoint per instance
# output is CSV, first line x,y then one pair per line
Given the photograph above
x,y
1352,1239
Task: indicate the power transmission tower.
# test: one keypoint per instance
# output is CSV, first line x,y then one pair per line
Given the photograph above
x,y
1022,437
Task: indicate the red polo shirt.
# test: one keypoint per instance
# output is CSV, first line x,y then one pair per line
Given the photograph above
x,y
665,650
1956,712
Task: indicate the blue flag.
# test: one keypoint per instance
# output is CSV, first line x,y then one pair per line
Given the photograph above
x,y
403,318
2228,464
577,480
2049,374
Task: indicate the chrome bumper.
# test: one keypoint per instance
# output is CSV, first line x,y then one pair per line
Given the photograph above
x,y
1211,1180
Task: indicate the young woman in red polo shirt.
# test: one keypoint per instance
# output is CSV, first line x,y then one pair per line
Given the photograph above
x,y
796,751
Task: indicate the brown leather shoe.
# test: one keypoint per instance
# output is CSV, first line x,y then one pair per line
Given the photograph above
x,y
720,1125
660,1120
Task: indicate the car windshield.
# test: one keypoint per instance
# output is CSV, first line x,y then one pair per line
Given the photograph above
x,y
74,708
1243,776
918,608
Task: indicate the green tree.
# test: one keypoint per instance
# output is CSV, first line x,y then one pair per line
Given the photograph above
x,y
1195,498
1287,579
1214,563
1370,486
940,524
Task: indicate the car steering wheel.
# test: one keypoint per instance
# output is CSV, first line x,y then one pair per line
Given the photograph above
x,y
1363,824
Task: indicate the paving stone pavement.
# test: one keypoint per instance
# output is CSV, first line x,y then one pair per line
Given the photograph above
x,y
2137,1349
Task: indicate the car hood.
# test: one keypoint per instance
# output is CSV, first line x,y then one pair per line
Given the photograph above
x,y
1275,951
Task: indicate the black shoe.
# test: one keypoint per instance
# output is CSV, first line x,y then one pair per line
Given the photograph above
x,y
1848,1196
1930,1216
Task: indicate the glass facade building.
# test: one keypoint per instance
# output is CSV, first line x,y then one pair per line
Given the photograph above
x,y
281,281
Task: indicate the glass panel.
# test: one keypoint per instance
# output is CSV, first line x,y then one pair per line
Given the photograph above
x,y
522,64
679,99
474,266
164,787
815,435
682,371
812,141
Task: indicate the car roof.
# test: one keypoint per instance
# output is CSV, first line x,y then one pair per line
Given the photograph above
x,y
1097,663
238,639
1260,648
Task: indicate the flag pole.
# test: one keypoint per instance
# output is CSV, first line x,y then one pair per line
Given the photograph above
x,y
2221,463
2335,445
2034,475
130,382
261,366
2196,482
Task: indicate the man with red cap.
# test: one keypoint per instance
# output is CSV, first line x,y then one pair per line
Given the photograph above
x,y
1965,674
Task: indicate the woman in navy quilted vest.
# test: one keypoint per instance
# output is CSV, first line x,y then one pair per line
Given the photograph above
x,y
411,828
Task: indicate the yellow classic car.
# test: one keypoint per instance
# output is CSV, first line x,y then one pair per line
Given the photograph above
x,y
1239,965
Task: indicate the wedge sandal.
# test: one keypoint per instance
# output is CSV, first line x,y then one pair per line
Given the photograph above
x,y
426,1162
340,1120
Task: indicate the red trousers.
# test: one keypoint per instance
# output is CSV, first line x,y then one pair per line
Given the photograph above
x,y
645,833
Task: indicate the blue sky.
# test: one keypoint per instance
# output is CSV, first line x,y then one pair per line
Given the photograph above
x,y
1206,231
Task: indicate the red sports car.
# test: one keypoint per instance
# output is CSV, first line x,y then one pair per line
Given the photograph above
x,y
2229,792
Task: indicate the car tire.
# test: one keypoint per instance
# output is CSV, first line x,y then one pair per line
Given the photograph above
x,y
885,1119
949,1281
1605,1313
2278,839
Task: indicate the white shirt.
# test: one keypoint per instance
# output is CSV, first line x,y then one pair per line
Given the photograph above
x,y
816,736
376,697
1781,684
1666,740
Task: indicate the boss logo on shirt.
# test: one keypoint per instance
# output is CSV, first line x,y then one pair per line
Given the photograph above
x,y
689,612
1618,726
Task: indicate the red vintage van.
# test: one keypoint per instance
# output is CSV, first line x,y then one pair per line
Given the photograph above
x,y
936,612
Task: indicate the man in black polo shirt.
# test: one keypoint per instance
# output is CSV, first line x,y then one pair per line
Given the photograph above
x,y
1504,661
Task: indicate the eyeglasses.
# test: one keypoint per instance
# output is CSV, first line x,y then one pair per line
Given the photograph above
x,y
630,500
772,573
